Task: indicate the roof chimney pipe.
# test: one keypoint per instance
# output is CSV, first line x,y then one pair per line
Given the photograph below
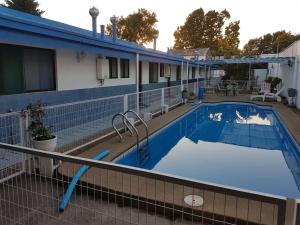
x,y
154,41
114,21
94,12
102,29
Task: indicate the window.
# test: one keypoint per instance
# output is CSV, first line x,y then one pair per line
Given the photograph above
x,y
124,64
178,73
113,67
162,70
24,69
193,72
153,72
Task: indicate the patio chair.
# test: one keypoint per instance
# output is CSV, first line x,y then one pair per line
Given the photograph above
x,y
272,96
265,88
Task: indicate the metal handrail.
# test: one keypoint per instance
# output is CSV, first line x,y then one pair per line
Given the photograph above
x,y
143,122
135,130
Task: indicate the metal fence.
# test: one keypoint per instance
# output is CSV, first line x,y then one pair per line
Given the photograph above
x,y
113,194
78,123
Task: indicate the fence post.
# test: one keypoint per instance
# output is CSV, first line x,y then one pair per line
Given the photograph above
x,y
291,212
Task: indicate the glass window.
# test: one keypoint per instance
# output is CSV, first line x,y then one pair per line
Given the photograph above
x,y
124,64
153,72
24,69
193,72
162,70
113,67
178,73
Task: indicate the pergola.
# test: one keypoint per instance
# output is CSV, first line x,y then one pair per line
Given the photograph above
x,y
245,60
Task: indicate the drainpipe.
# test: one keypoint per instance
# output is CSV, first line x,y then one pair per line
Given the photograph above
x,y
114,21
94,12
102,29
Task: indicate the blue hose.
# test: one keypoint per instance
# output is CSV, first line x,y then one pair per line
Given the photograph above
x,y
76,178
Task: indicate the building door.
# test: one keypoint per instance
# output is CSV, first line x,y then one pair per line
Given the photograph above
x,y
11,70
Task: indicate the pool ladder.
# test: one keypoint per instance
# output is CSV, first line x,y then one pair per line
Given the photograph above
x,y
142,153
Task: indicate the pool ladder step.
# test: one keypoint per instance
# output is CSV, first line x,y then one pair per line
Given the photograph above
x,y
142,153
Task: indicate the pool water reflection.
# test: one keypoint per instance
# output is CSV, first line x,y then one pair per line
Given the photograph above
x,y
239,145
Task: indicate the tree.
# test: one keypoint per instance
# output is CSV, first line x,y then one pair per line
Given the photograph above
x,y
138,27
270,43
205,30
28,6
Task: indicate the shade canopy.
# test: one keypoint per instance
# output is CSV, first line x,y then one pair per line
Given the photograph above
x,y
246,60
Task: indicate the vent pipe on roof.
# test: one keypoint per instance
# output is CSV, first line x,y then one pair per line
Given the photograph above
x,y
114,21
94,12
154,41
102,29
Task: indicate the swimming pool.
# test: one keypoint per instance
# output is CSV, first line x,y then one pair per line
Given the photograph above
x,y
234,144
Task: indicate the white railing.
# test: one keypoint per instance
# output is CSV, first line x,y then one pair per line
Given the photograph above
x,y
78,123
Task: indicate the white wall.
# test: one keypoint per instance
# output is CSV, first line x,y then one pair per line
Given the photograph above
x,y
260,74
289,74
74,74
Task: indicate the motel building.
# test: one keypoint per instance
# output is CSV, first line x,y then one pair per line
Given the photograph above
x,y
57,63
128,141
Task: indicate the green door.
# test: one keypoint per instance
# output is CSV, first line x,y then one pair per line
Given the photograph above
x,y
11,70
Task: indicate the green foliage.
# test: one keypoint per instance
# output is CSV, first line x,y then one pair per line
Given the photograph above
x,y
28,6
205,30
138,27
274,81
240,71
270,43
37,128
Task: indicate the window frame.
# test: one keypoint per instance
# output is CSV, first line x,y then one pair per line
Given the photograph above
x,y
53,64
153,79
193,72
161,70
125,72
110,67
178,72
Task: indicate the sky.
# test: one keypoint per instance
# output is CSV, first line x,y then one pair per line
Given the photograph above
x,y
257,17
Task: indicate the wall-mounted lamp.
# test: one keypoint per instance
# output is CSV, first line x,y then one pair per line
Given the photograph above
x,y
101,82
80,55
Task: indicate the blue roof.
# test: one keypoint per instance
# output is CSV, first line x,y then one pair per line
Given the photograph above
x,y
22,28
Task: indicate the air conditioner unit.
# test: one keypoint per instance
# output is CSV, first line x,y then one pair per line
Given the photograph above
x,y
167,70
102,68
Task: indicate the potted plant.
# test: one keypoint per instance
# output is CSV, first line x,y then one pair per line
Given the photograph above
x,y
42,138
274,81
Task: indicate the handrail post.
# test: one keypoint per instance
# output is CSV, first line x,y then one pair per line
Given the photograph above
x,y
125,102
290,212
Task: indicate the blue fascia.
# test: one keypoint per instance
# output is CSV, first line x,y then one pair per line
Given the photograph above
x,y
36,28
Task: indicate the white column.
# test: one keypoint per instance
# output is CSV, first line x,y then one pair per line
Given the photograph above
x,y
187,74
137,82
181,80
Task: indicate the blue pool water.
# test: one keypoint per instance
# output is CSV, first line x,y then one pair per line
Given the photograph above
x,y
239,145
